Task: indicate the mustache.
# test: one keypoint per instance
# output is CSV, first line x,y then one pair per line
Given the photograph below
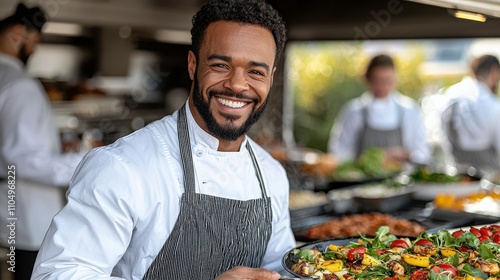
x,y
229,93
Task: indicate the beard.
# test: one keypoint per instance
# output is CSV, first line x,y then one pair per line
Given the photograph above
x,y
23,54
227,131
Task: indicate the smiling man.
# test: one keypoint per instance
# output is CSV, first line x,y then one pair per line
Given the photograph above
x,y
189,196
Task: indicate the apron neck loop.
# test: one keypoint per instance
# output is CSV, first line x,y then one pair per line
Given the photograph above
x,y
187,160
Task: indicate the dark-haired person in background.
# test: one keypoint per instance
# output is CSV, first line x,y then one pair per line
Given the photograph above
x,y
189,196
470,122
29,142
381,117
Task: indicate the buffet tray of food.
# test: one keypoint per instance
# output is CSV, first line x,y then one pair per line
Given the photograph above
x,y
478,204
306,204
350,225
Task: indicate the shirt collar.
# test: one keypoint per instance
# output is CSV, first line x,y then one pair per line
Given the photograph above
x,y
483,88
368,98
11,61
200,136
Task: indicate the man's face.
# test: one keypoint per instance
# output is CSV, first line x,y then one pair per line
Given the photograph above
x,y
28,47
232,77
382,81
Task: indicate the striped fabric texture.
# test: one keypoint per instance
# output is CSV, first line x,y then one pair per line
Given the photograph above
x,y
482,159
369,137
212,234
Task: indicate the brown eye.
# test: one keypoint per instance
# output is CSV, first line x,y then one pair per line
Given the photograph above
x,y
255,72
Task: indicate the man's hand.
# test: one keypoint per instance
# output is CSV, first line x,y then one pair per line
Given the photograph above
x,y
397,153
247,273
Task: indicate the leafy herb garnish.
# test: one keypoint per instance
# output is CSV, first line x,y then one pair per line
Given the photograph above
x,y
468,269
445,239
469,239
486,253
439,276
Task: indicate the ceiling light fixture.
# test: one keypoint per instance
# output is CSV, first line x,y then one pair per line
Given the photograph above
x,y
173,36
470,16
63,29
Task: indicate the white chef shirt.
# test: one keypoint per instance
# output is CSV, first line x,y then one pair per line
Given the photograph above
x,y
125,198
477,114
382,114
29,141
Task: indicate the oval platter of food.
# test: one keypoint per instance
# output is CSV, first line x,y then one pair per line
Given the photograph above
x,y
444,255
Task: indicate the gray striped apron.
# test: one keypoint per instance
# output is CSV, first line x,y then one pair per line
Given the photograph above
x,y
212,234
485,160
373,138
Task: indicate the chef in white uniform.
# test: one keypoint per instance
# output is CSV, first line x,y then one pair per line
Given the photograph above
x,y
30,147
189,196
381,117
471,131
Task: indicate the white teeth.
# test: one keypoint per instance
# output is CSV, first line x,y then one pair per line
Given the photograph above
x,y
232,104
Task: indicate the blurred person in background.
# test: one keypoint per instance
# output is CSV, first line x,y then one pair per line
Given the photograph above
x,y
380,118
471,131
29,143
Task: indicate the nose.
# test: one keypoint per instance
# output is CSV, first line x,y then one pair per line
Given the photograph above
x,y
237,81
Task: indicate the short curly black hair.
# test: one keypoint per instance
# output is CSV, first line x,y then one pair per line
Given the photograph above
x,y
243,11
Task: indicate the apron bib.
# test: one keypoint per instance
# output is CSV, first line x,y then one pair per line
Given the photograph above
x,y
212,234
485,160
370,137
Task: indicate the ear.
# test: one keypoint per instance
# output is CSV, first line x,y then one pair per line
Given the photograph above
x,y
191,65
272,76
17,36
494,70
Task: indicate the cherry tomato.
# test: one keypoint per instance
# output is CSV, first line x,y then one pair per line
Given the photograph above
x,y
380,252
425,243
390,278
485,231
496,238
457,234
484,238
447,269
356,254
495,228
463,249
475,231
419,275
399,243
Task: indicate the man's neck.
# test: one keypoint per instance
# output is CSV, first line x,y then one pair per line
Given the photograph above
x,y
6,47
486,83
224,145
230,146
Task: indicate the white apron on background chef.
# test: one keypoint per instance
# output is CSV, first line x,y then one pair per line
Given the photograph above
x,y
189,196
29,143
381,117
471,131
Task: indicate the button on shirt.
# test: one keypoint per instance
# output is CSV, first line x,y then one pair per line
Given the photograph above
x,y
382,114
125,200
29,141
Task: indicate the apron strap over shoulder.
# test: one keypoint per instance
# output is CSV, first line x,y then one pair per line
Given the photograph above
x,y
187,160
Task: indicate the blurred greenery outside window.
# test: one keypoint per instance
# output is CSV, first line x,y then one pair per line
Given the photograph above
x,y
323,76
